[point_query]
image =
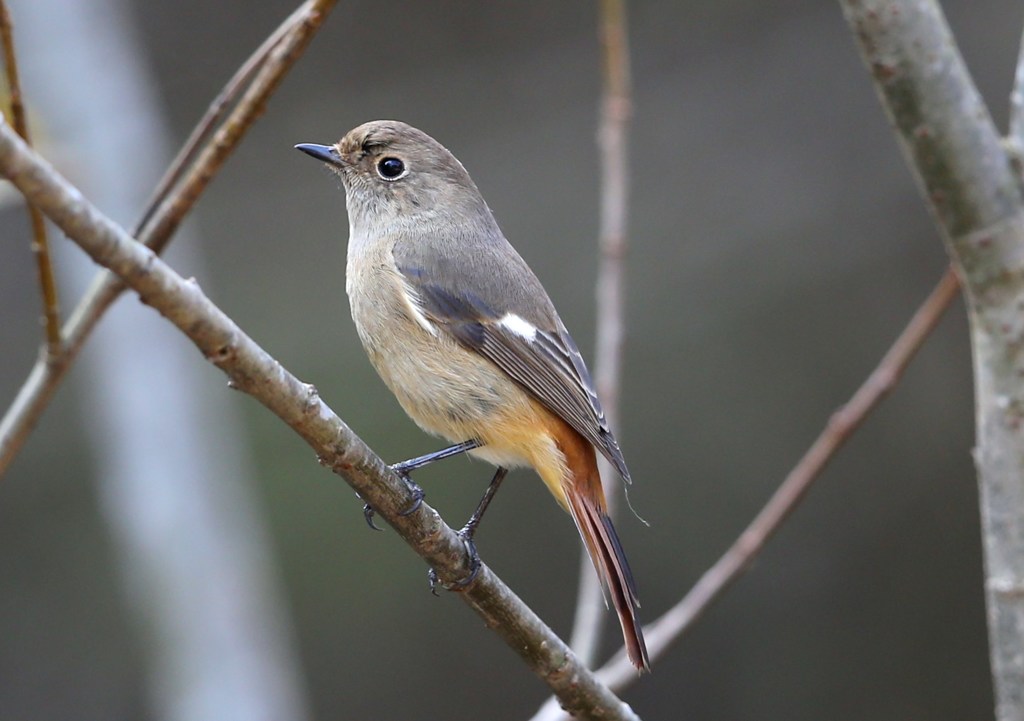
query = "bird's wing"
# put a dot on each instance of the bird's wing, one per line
(517, 329)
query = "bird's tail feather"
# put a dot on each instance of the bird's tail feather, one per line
(612, 568)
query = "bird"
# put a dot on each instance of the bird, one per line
(464, 335)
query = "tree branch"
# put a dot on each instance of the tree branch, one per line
(228, 94)
(612, 140)
(162, 218)
(40, 246)
(252, 370)
(671, 626)
(954, 150)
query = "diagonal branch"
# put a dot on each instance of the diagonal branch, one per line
(668, 629)
(163, 220)
(216, 110)
(840, 427)
(255, 372)
(40, 246)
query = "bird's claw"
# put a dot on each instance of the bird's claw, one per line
(414, 489)
(417, 496)
(418, 493)
(368, 514)
(466, 534)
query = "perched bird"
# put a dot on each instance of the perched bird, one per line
(464, 335)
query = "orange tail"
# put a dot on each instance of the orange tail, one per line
(585, 498)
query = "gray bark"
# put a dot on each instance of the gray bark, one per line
(960, 163)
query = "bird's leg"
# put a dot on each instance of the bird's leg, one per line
(467, 532)
(469, 529)
(404, 468)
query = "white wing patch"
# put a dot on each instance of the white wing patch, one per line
(520, 327)
(415, 308)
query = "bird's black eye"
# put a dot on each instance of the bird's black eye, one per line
(390, 168)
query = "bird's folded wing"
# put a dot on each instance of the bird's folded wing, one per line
(544, 361)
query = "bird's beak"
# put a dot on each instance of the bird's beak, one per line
(325, 153)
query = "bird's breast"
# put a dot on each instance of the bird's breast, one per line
(445, 388)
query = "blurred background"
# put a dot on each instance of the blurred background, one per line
(778, 245)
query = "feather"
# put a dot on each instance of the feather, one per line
(540, 356)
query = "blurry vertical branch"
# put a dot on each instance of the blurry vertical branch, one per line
(40, 246)
(193, 169)
(616, 108)
(955, 151)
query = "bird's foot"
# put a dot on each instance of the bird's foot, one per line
(414, 490)
(466, 534)
(417, 494)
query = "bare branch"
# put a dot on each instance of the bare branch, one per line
(40, 246)
(957, 156)
(161, 223)
(610, 291)
(844, 422)
(228, 94)
(255, 372)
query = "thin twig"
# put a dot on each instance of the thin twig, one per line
(228, 94)
(254, 371)
(43, 380)
(40, 246)
(837, 431)
(616, 107)
(618, 673)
